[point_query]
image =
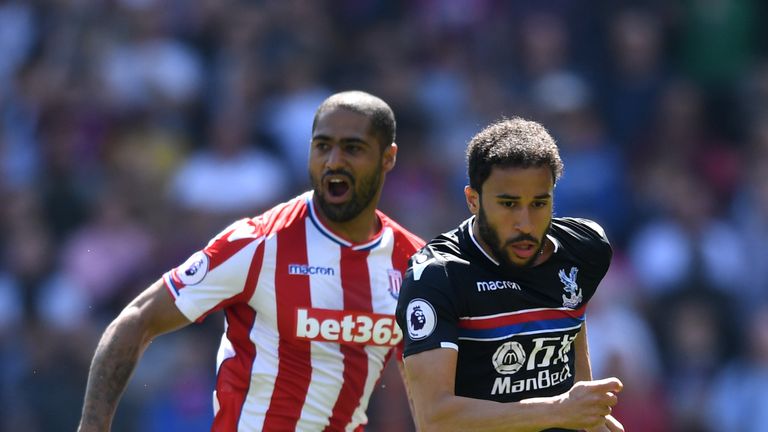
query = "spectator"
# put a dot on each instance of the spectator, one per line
(116, 96)
(231, 174)
(738, 398)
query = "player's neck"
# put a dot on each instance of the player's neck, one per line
(545, 252)
(360, 229)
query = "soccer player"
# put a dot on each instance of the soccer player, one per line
(308, 290)
(493, 312)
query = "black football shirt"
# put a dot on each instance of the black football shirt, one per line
(513, 328)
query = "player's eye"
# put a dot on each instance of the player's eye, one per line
(353, 148)
(321, 145)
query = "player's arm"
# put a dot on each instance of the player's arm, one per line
(401, 368)
(431, 379)
(150, 314)
(581, 348)
(584, 373)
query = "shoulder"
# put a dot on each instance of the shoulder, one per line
(433, 259)
(403, 237)
(285, 214)
(270, 222)
(427, 278)
(582, 236)
(585, 229)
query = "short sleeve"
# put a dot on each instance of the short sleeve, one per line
(217, 275)
(426, 309)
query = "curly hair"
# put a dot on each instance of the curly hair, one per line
(514, 142)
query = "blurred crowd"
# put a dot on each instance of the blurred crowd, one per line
(132, 131)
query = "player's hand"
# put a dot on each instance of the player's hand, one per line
(587, 405)
(610, 425)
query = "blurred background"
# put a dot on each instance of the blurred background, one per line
(132, 131)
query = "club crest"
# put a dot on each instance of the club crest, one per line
(395, 281)
(571, 288)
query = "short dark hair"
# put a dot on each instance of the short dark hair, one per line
(514, 142)
(380, 114)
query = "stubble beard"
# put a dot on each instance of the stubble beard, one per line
(491, 237)
(360, 199)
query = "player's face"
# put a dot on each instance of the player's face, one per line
(346, 164)
(514, 213)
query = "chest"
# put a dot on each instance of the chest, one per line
(328, 293)
(516, 330)
(560, 284)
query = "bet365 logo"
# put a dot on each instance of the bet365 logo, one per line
(355, 328)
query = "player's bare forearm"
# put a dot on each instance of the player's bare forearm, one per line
(401, 368)
(150, 314)
(431, 377)
(113, 363)
(581, 351)
(610, 425)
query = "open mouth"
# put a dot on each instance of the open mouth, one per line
(524, 249)
(338, 186)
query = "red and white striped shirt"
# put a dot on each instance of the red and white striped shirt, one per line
(309, 317)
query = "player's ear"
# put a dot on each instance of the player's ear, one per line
(389, 157)
(473, 199)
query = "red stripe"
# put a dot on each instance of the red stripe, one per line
(221, 249)
(284, 214)
(546, 314)
(234, 377)
(295, 369)
(356, 284)
(406, 244)
(249, 288)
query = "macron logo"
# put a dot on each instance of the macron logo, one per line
(497, 285)
(304, 270)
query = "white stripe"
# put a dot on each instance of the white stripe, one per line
(485, 317)
(171, 286)
(382, 302)
(555, 242)
(418, 268)
(316, 219)
(327, 360)
(226, 350)
(474, 240)
(264, 336)
(450, 345)
(521, 334)
(221, 283)
(331, 234)
(379, 261)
